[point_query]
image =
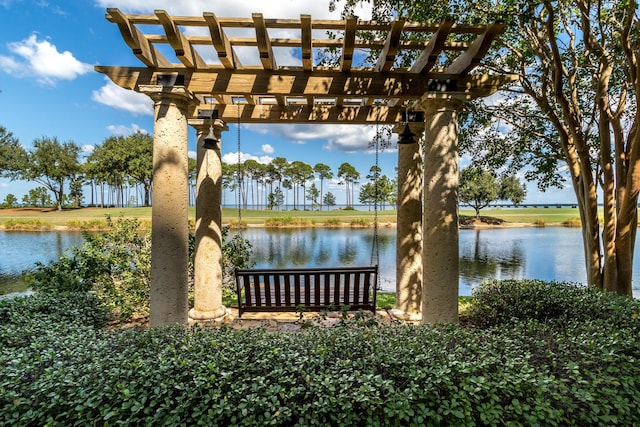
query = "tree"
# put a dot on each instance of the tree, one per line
(254, 171)
(349, 176)
(37, 197)
(479, 188)
(13, 157)
(9, 202)
(124, 160)
(324, 172)
(512, 189)
(139, 162)
(300, 173)
(379, 190)
(75, 196)
(275, 199)
(276, 173)
(312, 195)
(51, 163)
(107, 165)
(329, 199)
(575, 105)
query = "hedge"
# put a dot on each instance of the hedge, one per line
(59, 366)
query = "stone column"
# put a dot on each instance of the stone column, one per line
(409, 227)
(207, 295)
(440, 216)
(169, 216)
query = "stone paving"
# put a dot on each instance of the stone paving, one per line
(288, 322)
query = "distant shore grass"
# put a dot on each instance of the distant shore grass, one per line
(80, 218)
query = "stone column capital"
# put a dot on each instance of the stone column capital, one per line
(416, 128)
(432, 106)
(202, 126)
(176, 94)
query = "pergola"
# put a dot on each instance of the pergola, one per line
(193, 72)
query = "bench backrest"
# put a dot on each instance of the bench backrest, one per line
(313, 288)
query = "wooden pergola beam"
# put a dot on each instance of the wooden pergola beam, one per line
(329, 83)
(301, 114)
(264, 42)
(478, 49)
(342, 86)
(306, 42)
(349, 43)
(221, 43)
(429, 56)
(390, 49)
(183, 49)
(142, 49)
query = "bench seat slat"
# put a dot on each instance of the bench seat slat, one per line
(316, 289)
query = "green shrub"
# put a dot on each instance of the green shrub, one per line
(505, 301)
(88, 224)
(27, 225)
(236, 253)
(286, 221)
(333, 222)
(360, 223)
(115, 264)
(572, 222)
(58, 372)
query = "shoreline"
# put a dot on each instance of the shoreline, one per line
(93, 219)
(475, 226)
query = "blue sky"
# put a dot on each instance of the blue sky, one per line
(48, 87)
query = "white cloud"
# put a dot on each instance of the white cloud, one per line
(87, 149)
(41, 59)
(232, 158)
(346, 138)
(123, 99)
(267, 149)
(122, 130)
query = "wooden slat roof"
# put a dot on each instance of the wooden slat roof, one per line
(205, 50)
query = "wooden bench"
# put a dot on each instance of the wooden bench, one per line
(313, 289)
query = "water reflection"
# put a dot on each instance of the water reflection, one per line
(481, 258)
(21, 250)
(553, 253)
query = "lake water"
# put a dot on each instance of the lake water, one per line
(551, 253)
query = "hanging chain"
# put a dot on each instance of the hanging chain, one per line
(239, 173)
(375, 250)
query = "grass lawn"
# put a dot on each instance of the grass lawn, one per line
(68, 217)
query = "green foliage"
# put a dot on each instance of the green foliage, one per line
(26, 225)
(51, 164)
(121, 160)
(333, 222)
(115, 264)
(329, 199)
(286, 221)
(87, 224)
(236, 253)
(37, 197)
(59, 370)
(360, 223)
(479, 188)
(12, 156)
(9, 201)
(507, 301)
